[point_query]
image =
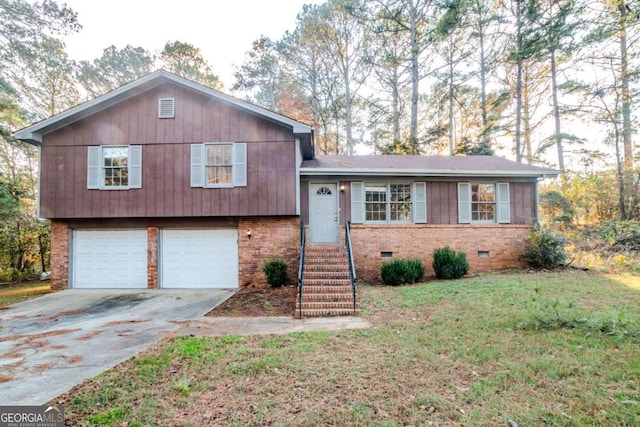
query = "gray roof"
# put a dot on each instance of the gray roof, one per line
(33, 134)
(435, 166)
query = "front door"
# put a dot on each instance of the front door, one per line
(324, 226)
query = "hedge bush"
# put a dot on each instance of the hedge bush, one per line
(401, 271)
(449, 264)
(545, 249)
(624, 235)
(275, 271)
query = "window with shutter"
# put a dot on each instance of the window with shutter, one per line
(216, 165)
(114, 167)
(480, 203)
(388, 202)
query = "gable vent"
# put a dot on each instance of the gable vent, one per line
(166, 107)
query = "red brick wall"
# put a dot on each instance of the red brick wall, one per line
(270, 237)
(505, 244)
(152, 257)
(59, 256)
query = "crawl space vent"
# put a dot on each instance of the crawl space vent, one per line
(166, 108)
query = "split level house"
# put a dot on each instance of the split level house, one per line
(165, 183)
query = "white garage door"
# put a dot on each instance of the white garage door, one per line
(109, 259)
(199, 258)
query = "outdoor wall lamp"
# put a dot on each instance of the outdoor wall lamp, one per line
(342, 188)
(248, 233)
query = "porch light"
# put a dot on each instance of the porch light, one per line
(248, 233)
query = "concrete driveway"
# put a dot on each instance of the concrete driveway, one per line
(51, 343)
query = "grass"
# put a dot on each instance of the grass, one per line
(11, 294)
(548, 349)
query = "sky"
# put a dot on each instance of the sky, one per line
(223, 30)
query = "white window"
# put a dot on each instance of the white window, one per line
(483, 203)
(219, 165)
(216, 165)
(114, 167)
(383, 202)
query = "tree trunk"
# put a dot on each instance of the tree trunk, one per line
(526, 118)
(483, 89)
(626, 96)
(620, 175)
(518, 82)
(415, 79)
(452, 142)
(556, 109)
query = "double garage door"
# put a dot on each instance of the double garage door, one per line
(187, 258)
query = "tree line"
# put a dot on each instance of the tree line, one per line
(38, 80)
(540, 81)
(551, 82)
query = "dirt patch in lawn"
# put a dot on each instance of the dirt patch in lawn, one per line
(252, 302)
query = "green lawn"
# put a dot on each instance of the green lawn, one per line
(11, 294)
(545, 349)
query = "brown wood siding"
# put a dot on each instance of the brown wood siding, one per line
(523, 202)
(166, 191)
(304, 202)
(442, 202)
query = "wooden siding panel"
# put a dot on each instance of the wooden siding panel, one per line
(442, 205)
(253, 179)
(272, 182)
(166, 190)
(522, 202)
(453, 203)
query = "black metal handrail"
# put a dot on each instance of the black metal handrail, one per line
(301, 267)
(352, 267)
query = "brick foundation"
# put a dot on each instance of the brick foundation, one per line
(270, 237)
(59, 256)
(504, 243)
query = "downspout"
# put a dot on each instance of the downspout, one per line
(39, 181)
(536, 197)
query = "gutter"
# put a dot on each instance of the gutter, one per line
(419, 172)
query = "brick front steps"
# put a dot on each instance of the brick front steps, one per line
(327, 286)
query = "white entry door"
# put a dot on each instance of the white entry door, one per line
(199, 258)
(324, 225)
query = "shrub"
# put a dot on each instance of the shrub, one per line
(545, 249)
(621, 234)
(415, 270)
(401, 271)
(275, 271)
(449, 264)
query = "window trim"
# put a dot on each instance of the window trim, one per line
(494, 203)
(205, 165)
(388, 202)
(198, 167)
(96, 168)
(502, 205)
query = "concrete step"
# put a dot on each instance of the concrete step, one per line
(326, 266)
(311, 289)
(327, 282)
(326, 312)
(317, 305)
(325, 275)
(326, 297)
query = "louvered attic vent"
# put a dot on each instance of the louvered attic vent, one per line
(166, 108)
